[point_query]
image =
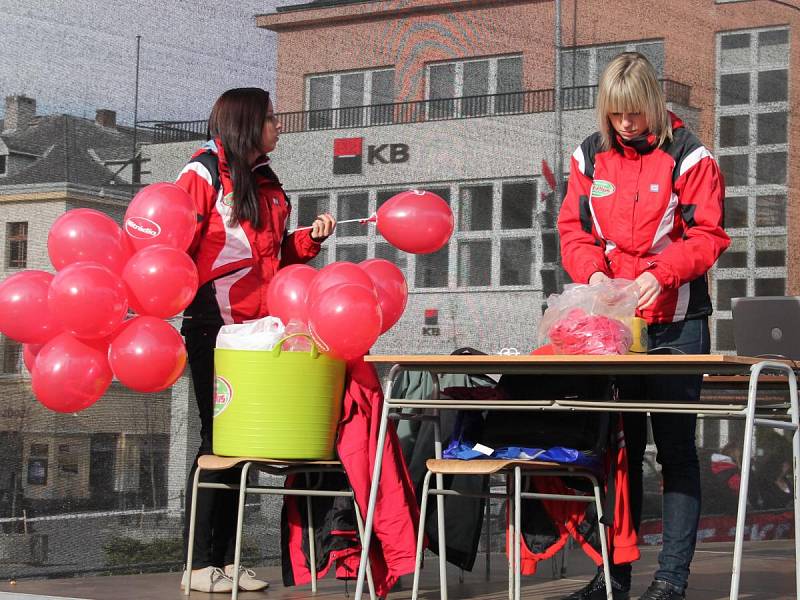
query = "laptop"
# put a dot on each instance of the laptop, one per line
(767, 326)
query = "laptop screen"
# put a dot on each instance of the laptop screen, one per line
(767, 326)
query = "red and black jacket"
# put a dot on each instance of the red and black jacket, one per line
(640, 207)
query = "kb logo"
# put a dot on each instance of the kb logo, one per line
(387, 153)
(348, 155)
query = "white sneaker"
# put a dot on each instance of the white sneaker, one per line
(210, 579)
(247, 579)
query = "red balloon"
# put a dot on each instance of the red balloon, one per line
(286, 296)
(161, 281)
(148, 355)
(416, 221)
(69, 374)
(161, 213)
(84, 234)
(24, 312)
(29, 352)
(88, 299)
(345, 321)
(391, 286)
(338, 273)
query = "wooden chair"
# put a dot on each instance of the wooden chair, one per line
(212, 462)
(513, 471)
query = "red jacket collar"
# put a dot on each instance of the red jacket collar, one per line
(644, 143)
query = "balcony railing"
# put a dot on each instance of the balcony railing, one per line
(418, 111)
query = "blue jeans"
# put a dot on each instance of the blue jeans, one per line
(674, 436)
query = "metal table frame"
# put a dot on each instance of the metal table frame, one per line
(773, 414)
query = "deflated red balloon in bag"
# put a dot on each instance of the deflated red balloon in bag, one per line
(84, 234)
(70, 374)
(416, 221)
(161, 213)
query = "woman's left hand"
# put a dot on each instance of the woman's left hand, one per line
(322, 227)
(649, 289)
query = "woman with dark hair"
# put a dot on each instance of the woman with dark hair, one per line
(644, 202)
(239, 244)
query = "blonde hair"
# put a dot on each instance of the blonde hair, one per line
(629, 84)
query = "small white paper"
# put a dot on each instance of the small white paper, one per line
(483, 449)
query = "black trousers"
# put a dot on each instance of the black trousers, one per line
(215, 525)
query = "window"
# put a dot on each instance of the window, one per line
(771, 128)
(772, 86)
(724, 331)
(734, 169)
(771, 211)
(308, 207)
(771, 251)
(431, 269)
(475, 208)
(770, 168)
(734, 89)
(12, 356)
(17, 245)
(354, 253)
(518, 205)
(583, 66)
(735, 212)
(352, 206)
(350, 99)
(516, 260)
(734, 130)
(474, 263)
(735, 257)
(3, 163)
(770, 287)
(727, 289)
(467, 87)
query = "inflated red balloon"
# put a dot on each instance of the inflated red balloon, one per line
(84, 234)
(416, 221)
(338, 273)
(29, 352)
(69, 374)
(286, 296)
(148, 355)
(345, 321)
(161, 213)
(161, 281)
(24, 312)
(391, 286)
(88, 299)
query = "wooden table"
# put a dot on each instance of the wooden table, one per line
(755, 411)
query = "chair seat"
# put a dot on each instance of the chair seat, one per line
(212, 462)
(456, 466)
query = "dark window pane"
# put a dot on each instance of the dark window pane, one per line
(476, 83)
(772, 128)
(3, 159)
(575, 68)
(383, 195)
(724, 337)
(12, 356)
(732, 41)
(773, 38)
(770, 287)
(352, 206)
(549, 285)
(17, 245)
(474, 263)
(509, 75)
(734, 131)
(382, 96)
(354, 253)
(392, 254)
(519, 201)
(605, 54)
(727, 289)
(772, 86)
(771, 251)
(771, 167)
(770, 211)
(773, 46)
(734, 168)
(475, 208)
(431, 270)
(442, 85)
(735, 211)
(516, 257)
(734, 89)
(308, 207)
(351, 94)
(320, 102)
(735, 257)
(549, 247)
(655, 54)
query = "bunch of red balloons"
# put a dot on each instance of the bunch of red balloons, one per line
(345, 306)
(74, 324)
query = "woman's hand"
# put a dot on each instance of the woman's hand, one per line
(322, 227)
(598, 277)
(649, 289)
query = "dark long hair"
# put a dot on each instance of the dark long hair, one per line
(238, 120)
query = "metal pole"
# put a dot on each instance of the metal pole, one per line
(135, 118)
(557, 92)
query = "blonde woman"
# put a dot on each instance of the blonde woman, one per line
(644, 202)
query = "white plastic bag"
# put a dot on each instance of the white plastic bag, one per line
(261, 334)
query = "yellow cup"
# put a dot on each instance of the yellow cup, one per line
(638, 327)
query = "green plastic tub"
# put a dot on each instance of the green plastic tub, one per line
(277, 404)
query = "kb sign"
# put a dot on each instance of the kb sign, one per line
(348, 155)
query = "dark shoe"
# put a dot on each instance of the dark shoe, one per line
(663, 590)
(596, 590)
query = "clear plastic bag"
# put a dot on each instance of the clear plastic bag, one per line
(590, 319)
(301, 343)
(261, 334)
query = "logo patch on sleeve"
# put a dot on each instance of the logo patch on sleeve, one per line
(601, 188)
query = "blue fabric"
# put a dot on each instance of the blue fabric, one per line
(568, 456)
